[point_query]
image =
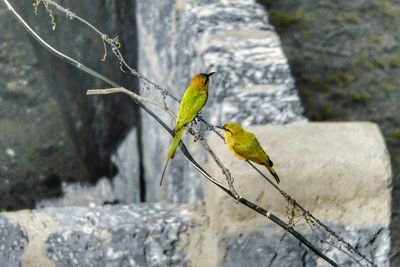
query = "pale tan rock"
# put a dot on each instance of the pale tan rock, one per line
(38, 227)
(339, 171)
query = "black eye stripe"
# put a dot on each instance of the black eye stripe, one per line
(206, 80)
(228, 131)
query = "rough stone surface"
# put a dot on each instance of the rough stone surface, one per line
(252, 250)
(51, 132)
(319, 167)
(253, 84)
(315, 161)
(12, 243)
(34, 140)
(123, 188)
(143, 235)
(222, 233)
(266, 246)
(84, 195)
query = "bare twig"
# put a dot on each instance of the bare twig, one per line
(233, 194)
(133, 96)
(118, 54)
(307, 213)
(224, 170)
(115, 48)
(182, 146)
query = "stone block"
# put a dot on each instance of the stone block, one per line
(340, 172)
(142, 235)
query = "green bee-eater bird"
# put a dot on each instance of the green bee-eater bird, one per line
(192, 102)
(244, 145)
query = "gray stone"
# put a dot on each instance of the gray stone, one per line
(267, 246)
(142, 235)
(253, 83)
(126, 183)
(315, 161)
(30, 120)
(84, 195)
(12, 243)
(123, 188)
(54, 129)
(340, 172)
(222, 233)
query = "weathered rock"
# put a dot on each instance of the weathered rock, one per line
(339, 171)
(318, 166)
(12, 243)
(268, 246)
(144, 235)
(253, 84)
(315, 161)
(30, 121)
(54, 129)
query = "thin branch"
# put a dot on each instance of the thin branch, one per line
(184, 150)
(307, 213)
(115, 49)
(257, 208)
(234, 195)
(133, 96)
(224, 170)
(97, 75)
(310, 215)
(209, 126)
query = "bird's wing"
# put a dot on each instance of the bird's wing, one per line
(247, 146)
(192, 102)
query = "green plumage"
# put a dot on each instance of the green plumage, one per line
(249, 148)
(192, 102)
(244, 145)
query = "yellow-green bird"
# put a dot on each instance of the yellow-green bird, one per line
(192, 102)
(244, 145)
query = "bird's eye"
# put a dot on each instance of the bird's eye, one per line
(206, 82)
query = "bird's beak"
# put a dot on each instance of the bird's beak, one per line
(211, 73)
(221, 127)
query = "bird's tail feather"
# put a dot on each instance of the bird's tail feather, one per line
(273, 173)
(163, 173)
(172, 150)
(175, 143)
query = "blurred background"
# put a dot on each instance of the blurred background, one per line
(59, 147)
(344, 56)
